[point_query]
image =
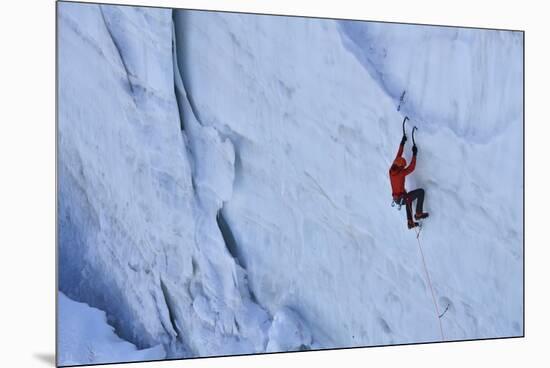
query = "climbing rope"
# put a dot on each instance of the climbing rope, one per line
(431, 287)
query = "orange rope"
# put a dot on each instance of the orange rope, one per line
(431, 288)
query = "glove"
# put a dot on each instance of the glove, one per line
(403, 140)
(415, 150)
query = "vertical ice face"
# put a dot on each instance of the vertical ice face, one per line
(126, 220)
(310, 107)
(139, 199)
(464, 89)
(468, 80)
(223, 180)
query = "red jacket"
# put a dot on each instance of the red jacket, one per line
(397, 175)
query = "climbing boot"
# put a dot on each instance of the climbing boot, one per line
(421, 215)
(411, 224)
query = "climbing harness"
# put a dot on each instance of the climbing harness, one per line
(400, 202)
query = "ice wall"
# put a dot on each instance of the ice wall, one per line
(138, 230)
(311, 108)
(123, 227)
(223, 181)
(468, 80)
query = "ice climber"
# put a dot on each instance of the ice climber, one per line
(398, 171)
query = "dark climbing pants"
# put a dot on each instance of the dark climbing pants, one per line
(418, 195)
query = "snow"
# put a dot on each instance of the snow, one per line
(288, 332)
(85, 337)
(265, 224)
